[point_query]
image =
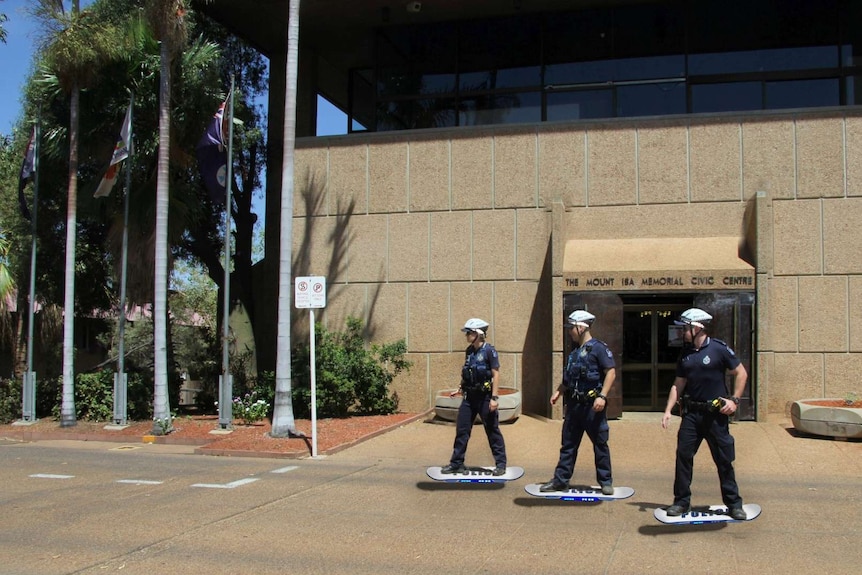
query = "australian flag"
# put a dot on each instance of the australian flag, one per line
(28, 171)
(212, 157)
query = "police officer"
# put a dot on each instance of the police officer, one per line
(480, 380)
(590, 373)
(699, 387)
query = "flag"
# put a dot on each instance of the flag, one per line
(212, 157)
(28, 171)
(121, 152)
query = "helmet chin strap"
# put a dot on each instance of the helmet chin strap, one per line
(694, 335)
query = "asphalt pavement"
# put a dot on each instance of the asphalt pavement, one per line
(89, 507)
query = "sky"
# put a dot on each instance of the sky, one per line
(16, 57)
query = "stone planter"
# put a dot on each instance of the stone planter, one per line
(830, 417)
(509, 404)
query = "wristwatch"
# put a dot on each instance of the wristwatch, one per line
(602, 396)
(494, 398)
(735, 400)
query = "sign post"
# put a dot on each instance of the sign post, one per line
(310, 293)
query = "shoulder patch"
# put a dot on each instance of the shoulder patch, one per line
(608, 351)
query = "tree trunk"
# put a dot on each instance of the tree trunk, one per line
(283, 423)
(161, 400)
(68, 416)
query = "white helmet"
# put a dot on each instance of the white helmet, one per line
(581, 317)
(480, 326)
(694, 316)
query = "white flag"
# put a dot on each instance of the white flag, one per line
(121, 152)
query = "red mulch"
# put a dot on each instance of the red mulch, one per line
(834, 403)
(332, 434)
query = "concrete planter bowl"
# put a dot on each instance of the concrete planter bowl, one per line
(829, 417)
(446, 407)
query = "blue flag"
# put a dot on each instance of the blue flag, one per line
(212, 157)
(28, 170)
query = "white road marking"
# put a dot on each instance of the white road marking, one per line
(51, 476)
(230, 485)
(139, 482)
(285, 469)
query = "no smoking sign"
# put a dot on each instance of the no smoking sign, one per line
(310, 292)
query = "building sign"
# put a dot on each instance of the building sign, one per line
(659, 281)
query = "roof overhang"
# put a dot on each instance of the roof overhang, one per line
(656, 264)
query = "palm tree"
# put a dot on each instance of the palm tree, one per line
(73, 49)
(167, 20)
(283, 423)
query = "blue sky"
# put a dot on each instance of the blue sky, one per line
(16, 56)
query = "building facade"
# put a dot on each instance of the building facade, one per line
(518, 160)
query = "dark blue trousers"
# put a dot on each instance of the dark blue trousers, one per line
(581, 418)
(715, 429)
(467, 412)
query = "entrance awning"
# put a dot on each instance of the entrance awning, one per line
(656, 264)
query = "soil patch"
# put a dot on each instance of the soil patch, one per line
(833, 403)
(333, 434)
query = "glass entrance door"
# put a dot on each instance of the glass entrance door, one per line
(651, 345)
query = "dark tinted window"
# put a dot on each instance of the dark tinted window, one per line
(619, 59)
(720, 26)
(417, 60)
(802, 93)
(651, 99)
(579, 105)
(727, 97)
(578, 37)
(499, 54)
(501, 109)
(773, 60)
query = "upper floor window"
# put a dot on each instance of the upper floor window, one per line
(663, 58)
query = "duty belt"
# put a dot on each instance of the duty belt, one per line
(711, 406)
(584, 397)
(477, 389)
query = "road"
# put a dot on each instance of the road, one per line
(87, 507)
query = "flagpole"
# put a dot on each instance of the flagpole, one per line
(28, 411)
(226, 387)
(121, 382)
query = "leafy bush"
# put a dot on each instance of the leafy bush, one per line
(350, 377)
(94, 396)
(10, 400)
(11, 397)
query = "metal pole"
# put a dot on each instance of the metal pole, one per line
(226, 381)
(120, 378)
(28, 403)
(313, 384)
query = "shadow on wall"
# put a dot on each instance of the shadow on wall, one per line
(337, 242)
(538, 353)
(748, 242)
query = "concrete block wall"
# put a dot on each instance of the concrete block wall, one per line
(416, 232)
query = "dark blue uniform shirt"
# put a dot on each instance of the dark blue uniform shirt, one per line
(704, 369)
(586, 367)
(478, 364)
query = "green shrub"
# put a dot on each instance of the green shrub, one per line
(10, 400)
(351, 379)
(94, 396)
